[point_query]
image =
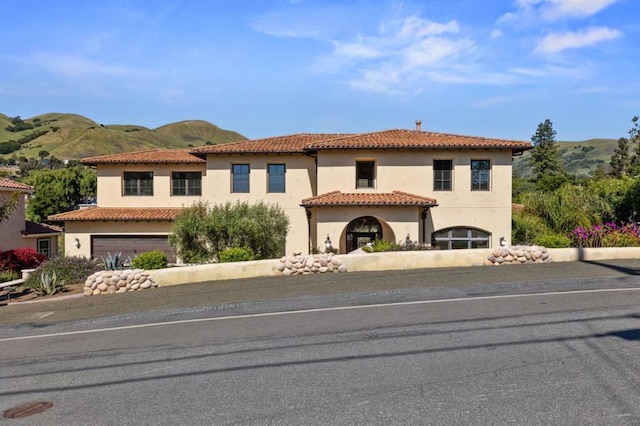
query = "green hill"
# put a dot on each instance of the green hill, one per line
(579, 158)
(71, 136)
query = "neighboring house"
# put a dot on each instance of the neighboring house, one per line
(447, 190)
(16, 232)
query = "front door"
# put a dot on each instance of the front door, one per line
(362, 231)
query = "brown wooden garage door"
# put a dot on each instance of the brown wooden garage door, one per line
(129, 245)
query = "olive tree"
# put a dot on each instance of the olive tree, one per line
(201, 232)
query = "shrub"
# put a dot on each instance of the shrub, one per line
(607, 235)
(114, 262)
(155, 259)
(6, 276)
(553, 241)
(46, 284)
(380, 246)
(21, 258)
(69, 269)
(236, 254)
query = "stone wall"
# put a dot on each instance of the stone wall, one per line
(109, 282)
(518, 254)
(312, 264)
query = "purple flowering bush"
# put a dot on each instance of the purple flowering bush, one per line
(607, 235)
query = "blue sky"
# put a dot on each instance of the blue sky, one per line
(263, 68)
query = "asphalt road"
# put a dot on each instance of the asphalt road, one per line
(488, 345)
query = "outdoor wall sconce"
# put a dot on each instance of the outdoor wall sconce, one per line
(76, 242)
(327, 243)
(407, 240)
(503, 242)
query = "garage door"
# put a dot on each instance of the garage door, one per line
(130, 246)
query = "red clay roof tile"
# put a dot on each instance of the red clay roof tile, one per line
(395, 198)
(118, 214)
(414, 139)
(157, 156)
(277, 144)
(12, 184)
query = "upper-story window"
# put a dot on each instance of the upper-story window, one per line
(186, 183)
(365, 174)
(442, 175)
(138, 183)
(480, 171)
(240, 178)
(277, 173)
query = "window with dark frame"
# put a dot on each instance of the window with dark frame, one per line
(442, 175)
(138, 183)
(277, 174)
(240, 178)
(44, 246)
(480, 170)
(186, 183)
(461, 238)
(365, 174)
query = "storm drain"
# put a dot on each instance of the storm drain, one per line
(28, 409)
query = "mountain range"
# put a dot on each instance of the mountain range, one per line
(72, 136)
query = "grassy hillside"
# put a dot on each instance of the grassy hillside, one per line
(71, 136)
(579, 158)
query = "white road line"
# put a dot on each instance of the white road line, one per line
(306, 311)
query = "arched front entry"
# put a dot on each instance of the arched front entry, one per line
(361, 231)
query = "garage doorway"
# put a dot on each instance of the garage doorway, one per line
(130, 245)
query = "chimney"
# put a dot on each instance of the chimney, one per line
(418, 124)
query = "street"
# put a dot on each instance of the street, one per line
(551, 357)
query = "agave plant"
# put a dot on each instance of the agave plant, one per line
(48, 283)
(114, 262)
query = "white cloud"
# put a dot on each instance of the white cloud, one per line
(495, 34)
(556, 9)
(74, 66)
(498, 100)
(529, 11)
(557, 42)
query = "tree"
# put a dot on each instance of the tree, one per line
(201, 232)
(620, 159)
(634, 143)
(58, 191)
(545, 161)
(43, 154)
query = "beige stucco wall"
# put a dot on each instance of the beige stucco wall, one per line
(412, 171)
(10, 229)
(110, 189)
(84, 230)
(300, 181)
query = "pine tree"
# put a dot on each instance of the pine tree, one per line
(545, 161)
(620, 159)
(634, 143)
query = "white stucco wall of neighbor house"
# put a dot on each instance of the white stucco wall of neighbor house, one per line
(10, 229)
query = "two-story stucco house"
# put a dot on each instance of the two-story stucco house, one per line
(448, 190)
(16, 232)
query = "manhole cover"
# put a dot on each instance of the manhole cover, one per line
(28, 409)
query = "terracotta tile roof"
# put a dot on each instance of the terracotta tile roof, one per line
(13, 185)
(33, 228)
(414, 139)
(120, 214)
(395, 198)
(156, 156)
(277, 144)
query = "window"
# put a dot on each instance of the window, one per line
(442, 175)
(461, 238)
(240, 178)
(138, 183)
(186, 183)
(365, 174)
(276, 177)
(480, 175)
(44, 246)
